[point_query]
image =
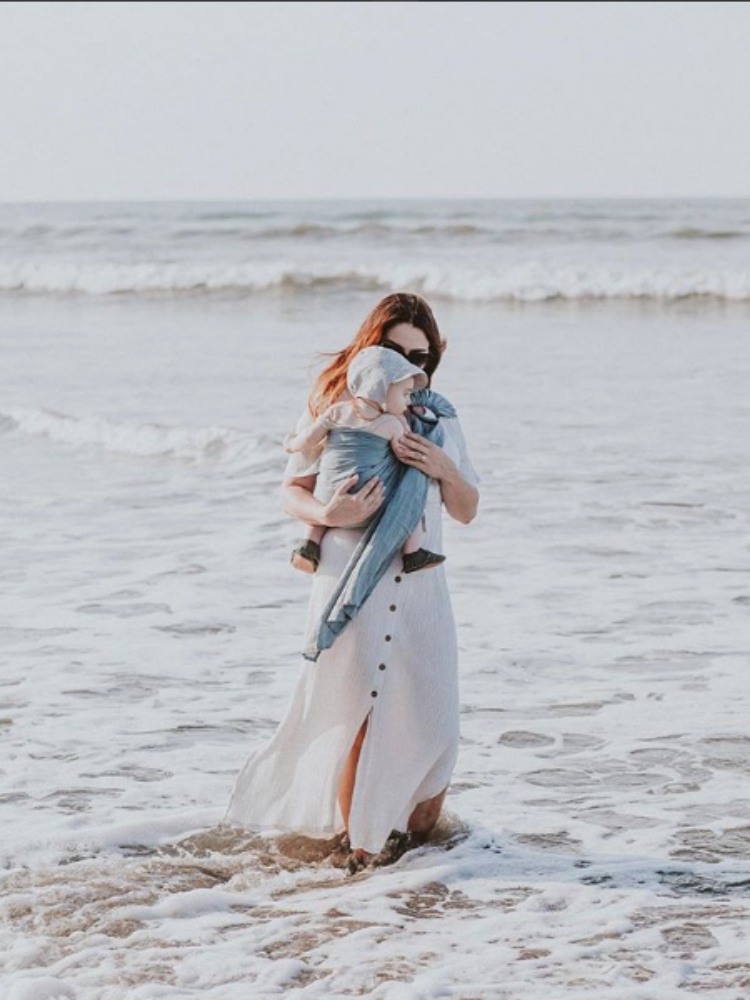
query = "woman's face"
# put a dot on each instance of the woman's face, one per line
(409, 338)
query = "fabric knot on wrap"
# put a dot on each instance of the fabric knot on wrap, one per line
(404, 498)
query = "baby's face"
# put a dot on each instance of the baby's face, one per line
(398, 396)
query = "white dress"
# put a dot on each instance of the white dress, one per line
(396, 663)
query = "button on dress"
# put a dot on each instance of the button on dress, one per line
(396, 665)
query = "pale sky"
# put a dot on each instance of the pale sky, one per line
(373, 100)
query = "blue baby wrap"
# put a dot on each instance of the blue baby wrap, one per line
(350, 450)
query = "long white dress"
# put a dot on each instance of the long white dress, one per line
(396, 664)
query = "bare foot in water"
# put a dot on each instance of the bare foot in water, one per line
(398, 843)
(342, 854)
(357, 860)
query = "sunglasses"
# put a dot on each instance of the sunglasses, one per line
(418, 358)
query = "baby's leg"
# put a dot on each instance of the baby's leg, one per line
(414, 541)
(315, 532)
(306, 556)
(415, 557)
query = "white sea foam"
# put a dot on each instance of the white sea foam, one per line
(523, 281)
(217, 444)
(464, 251)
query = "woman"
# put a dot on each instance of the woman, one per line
(369, 741)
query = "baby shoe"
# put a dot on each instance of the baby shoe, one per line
(421, 559)
(306, 556)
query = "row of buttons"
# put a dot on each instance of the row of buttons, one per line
(381, 666)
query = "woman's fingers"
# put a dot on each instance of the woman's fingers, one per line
(412, 451)
(373, 492)
(344, 487)
(413, 443)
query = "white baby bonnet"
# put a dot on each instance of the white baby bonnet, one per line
(373, 370)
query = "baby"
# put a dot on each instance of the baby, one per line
(380, 381)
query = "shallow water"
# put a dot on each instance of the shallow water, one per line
(597, 831)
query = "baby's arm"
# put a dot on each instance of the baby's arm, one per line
(306, 439)
(318, 429)
(396, 427)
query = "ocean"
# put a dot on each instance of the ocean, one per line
(595, 838)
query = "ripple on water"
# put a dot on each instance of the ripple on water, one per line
(123, 610)
(134, 771)
(575, 708)
(559, 840)
(525, 738)
(10, 636)
(725, 753)
(700, 844)
(561, 777)
(196, 628)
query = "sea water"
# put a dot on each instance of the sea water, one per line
(595, 837)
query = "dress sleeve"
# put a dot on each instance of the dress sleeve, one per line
(304, 463)
(328, 420)
(462, 459)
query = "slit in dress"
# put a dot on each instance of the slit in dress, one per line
(346, 757)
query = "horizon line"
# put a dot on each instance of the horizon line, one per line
(378, 198)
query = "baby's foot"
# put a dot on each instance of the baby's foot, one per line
(306, 556)
(421, 559)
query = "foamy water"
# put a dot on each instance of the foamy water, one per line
(464, 250)
(596, 834)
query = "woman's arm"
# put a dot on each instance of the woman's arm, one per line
(298, 501)
(461, 499)
(342, 510)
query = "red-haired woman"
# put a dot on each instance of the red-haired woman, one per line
(369, 741)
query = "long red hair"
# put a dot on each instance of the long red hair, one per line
(399, 307)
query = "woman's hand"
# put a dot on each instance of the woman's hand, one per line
(345, 509)
(413, 449)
